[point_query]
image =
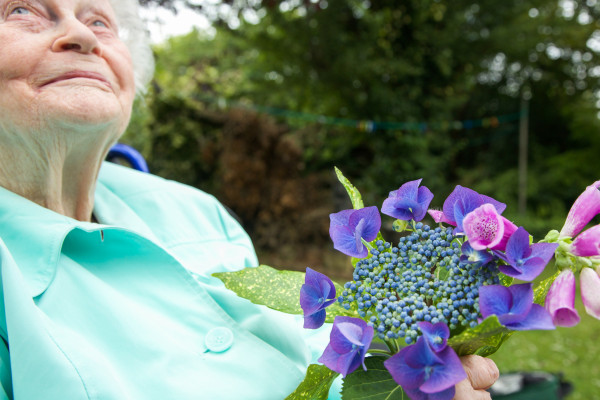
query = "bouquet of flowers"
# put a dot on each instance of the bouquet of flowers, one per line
(436, 293)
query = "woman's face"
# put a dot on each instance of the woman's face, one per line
(62, 62)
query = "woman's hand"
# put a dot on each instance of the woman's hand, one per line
(481, 374)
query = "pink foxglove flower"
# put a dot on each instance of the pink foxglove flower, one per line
(590, 291)
(560, 301)
(439, 216)
(587, 244)
(461, 202)
(486, 229)
(583, 210)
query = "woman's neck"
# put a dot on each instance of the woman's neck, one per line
(57, 171)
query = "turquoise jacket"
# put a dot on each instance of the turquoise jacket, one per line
(127, 309)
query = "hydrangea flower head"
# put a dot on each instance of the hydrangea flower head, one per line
(514, 307)
(461, 202)
(349, 341)
(560, 301)
(526, 261)
(424, 373)
(349, 227)
(317, 293)
(408, 202)
(583, 210)
(590, 291)
(485, 228)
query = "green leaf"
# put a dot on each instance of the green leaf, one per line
(276, 289)
(484, 339)
(315, 385)
(441, 273)
(353, 192)
(541, 289)
(375, 383)
(505, 279)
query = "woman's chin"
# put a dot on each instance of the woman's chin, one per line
(86, 105)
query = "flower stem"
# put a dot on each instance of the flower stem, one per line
(381, 351)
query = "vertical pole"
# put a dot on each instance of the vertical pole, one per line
(523, 143)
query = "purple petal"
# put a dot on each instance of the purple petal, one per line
(522, 298)
(517, 247)
(545, 251)
(467, 201)
(344, 241)
(402, 373)
(537, 318)
(350, 332)
(340, 363)
(439, 216)
(447, 394)
(583, 210)
(436, 335)
(446, 375)
(349, 339)
(425, 196)
(509, 270)
(531, 269)
(348, 363)
(472, 256)
(494, 300)
(587, 244)
(321, 281)
(399, 208)
(371, 224)
(340, 218)
(560, 301)
(408, 202)
(310, 299)
(350, 335)
(409, 189)
(590, 291)
(316, 293)
(416, 394)
(315, 320)
(458, 195)
(500, 207)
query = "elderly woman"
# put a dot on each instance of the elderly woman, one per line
(106, 273)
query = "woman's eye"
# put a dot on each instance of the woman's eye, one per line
(20, 10)
(99, 23)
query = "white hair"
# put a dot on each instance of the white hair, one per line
(133, 32)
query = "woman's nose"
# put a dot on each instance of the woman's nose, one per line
(76, 36)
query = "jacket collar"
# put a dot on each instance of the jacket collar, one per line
(35, 235)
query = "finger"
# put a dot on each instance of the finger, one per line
(464, 391)
(482, 372)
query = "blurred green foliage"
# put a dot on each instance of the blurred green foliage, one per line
(386, 60)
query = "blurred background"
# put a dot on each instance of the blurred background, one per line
(261, 100)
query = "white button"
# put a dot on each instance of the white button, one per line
(219, 339)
